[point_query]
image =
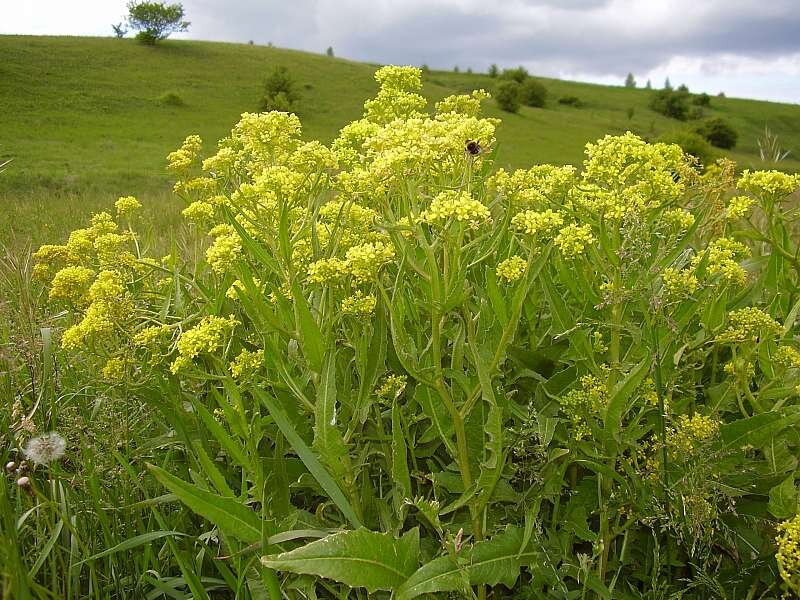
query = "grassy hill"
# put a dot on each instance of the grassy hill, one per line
(83, 122)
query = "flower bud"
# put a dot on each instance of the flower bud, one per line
(11, 466)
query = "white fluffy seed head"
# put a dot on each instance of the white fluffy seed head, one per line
(45, 448)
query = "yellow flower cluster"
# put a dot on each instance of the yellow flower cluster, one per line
(788, 555)
(678, 219)
(787, 357)
(359, 304)
(126, 206)
(544, 224)
(199, 212)
(770, 184)
(364, 261)
(326, 270)
(573, 239)
(533, 188)
(110, 305)
(246, 363)
(396, 98)
(463, 104)
(71, 284)
(690, 434)
(184, 157)
(738, 207)
(393, 385)
(207, 336)
(723, 255)
(459, 206)
(748, 325)
(679, 283)
(116, 368)
(511, 269)
(645, 172)
(225, 250)
(151, 336)
(581, 404)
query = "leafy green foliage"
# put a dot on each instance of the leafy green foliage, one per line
(671, 103)
(691, 143)
(719, 133)
(533, 93)
(280, 91)
(508, 96)
(155, 20)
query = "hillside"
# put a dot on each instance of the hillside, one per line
(82, 116)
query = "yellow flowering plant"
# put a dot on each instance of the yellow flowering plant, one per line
(470, 378)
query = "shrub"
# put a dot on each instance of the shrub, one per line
(570, 101)
(691, 143)
(671, 103)
(479, 383)
(702, 100)
(508, 96)
(696, 113)
(719, 132)
(329, 51)
(155, 20)
(533, 93)
(520, 74)
(493, 71)
(279, 91)
(171, 99)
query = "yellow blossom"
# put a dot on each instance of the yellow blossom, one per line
(511, 269)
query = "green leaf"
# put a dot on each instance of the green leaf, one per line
(488, 563)
(758, 430)
(134, 542)
(307, 456)
(619, 401)
(783, 499)
(358, 558)
(400, 472)
(232, 517)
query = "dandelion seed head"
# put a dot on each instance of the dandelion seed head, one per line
(45, 448)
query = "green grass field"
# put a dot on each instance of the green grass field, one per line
(83, 122)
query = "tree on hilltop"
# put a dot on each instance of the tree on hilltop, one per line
(630, 82)
(155, 20)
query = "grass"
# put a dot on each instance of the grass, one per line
(86, 121)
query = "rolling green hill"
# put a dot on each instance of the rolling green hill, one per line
(82, 119)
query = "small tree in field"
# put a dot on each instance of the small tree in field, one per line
(119, 30)
(155, 20)
(630, 82)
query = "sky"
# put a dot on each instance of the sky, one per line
(745, 48)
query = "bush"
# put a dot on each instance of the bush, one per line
(279, 91)
(463, 378)
(702, 100)
(508, 96)
(155, 20)
(570, 101)
(533, 93)
(691, 143)
(719, 132)
(519, 74)
(696, 113)
(493, 71)
(671, 103)
(171, 99)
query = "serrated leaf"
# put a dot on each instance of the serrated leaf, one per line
(232, 517)
(328, 441)
(357, 558)
(488, 563)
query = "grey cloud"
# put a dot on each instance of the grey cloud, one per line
(599, 38)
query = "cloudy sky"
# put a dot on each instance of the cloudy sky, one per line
(746, 48)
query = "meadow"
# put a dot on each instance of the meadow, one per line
(403, 350)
